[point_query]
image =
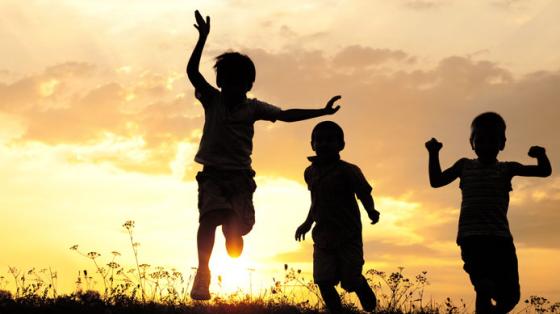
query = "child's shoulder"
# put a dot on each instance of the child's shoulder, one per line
(464, 162)
(349, 166)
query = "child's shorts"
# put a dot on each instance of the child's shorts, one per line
(342, 263)
(491, 263)
(228, 190)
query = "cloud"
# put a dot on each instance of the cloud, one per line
(138, 119)
(508, 4)
(359, 56)
(82, 105)
(424, 4)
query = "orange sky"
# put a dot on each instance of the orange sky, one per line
(98, 125)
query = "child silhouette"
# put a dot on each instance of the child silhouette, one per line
(226, 182)
(337, 250)
(486, 242)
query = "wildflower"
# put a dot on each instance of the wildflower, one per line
(74, 247)
(93, 255)
(115, 253)
(113, 265)
(129, 224)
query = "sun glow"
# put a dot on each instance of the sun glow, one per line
(231, 274)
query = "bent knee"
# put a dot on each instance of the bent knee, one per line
(353, 283)
(326, 284)
(506, 303)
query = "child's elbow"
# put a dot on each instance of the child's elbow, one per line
(435, 184)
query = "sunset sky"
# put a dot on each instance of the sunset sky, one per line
(99, 125)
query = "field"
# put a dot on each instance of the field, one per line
(112, 288)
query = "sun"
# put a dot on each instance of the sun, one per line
(231, 275)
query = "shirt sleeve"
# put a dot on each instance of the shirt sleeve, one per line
(265, 111)
(206, 94)
(358, 181)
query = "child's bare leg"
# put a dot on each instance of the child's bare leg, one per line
(206, 235)
(331, 298)
(506, 302)
(205, 241)
(233, 234)
(484, 303)
(366, 295)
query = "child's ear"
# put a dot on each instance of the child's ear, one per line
(249, 86)
(313, 145)
(471, 142)
(503, 144)
(219, 80)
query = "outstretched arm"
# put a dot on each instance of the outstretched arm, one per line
(542, 169)
(440, 178)
(292, 115)
(193, 72)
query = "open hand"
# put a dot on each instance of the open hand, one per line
(202, 25)
(302, 230)
(433, 145)
(329, 109)
(536, 151)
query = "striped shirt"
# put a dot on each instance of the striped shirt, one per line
(485, 190)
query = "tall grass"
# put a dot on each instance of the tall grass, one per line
(142, 288)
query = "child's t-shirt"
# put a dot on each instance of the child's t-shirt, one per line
(485, 199)
(227, 136)
(334, 208)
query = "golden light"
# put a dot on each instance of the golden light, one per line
(48, 88)
(231, 275)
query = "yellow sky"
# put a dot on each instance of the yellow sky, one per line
(98, 125)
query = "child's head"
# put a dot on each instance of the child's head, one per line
(235, 73)
(327, 138)
(488, 135)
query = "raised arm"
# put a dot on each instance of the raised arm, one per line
(193, 71)
(440, 178)
(292, 115)
(541, 169)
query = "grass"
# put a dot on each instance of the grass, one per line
(114, 289)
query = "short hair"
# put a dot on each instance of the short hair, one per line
(489, 121)
(234, 65)
(328, 126)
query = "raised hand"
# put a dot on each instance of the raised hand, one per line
(536, 151)
(302, 230)
(329, 109)
(433, 145)
(203, 26)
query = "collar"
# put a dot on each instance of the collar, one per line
(324, 160)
